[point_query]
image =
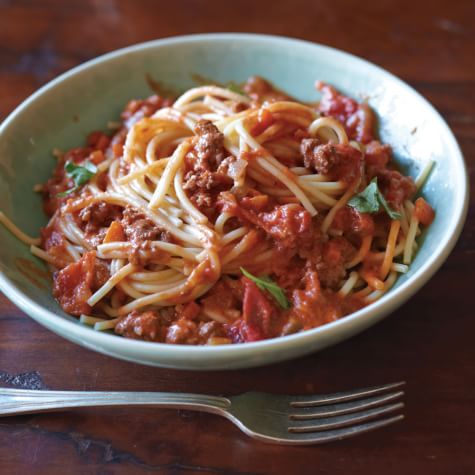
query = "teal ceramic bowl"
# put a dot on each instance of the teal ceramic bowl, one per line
(61, 113)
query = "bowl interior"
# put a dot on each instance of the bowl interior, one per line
(62, 113)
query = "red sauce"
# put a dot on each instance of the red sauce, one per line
(53, 241)
(358, 119)
(73, 285)
(309, 266)
(395, 187)
(353, 223)
(257, 313)
(264, 120)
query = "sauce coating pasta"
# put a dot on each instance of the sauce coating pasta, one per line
(228, 216)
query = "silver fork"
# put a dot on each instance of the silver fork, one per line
(293, 420)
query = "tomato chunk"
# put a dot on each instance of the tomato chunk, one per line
(424, 212)
(73, 285)
(257, 313)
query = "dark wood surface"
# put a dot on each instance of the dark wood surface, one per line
(429, 342)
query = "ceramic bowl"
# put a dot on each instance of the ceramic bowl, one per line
(61, 114)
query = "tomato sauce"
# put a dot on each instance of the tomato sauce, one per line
(308, 266)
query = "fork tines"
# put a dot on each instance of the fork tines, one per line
(341, 415)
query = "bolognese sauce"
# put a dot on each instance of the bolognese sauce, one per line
(228, 216)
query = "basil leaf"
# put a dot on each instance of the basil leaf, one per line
(370, 201)
(67, 192)
(392, 214)
(80, 175)
(267, 284)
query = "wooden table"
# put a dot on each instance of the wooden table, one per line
(429, 342)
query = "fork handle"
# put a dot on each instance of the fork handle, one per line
(24, 401)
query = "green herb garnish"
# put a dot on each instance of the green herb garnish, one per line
(392, 214)
(233, 87)
(80, 175)
(370, 201)
(267, 284)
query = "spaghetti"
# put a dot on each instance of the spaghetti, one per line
(227, 216)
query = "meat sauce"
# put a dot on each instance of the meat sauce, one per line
(357, 118)
(73, 285)
(336, 161)
(206, 168)
(309, 267)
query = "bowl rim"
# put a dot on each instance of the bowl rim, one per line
(100, 341)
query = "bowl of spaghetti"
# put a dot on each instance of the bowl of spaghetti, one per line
(223, 201)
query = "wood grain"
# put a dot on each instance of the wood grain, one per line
(428, 342)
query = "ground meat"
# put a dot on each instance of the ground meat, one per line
(99, 215)
(142, 252)
(313, 156)
(183, 331)
(395, 187)
(98, 140)
(138, 228)
(235, 168)
(328, 257)
(358, 119)
(203, 200)
(353, 223)
(261, 90)
(170, 325)
(54, 243)
(188, 310)
(72, 286)
(203, 188)
(51, 237)
(331, 266)
(141, 326)
(206, 172)
(289, 270)
(337, 161)
(94, 239)
(101, 273)
(137, 109)
(377, 156)
(206, 180)
(288, 224)
(209, 149)
(207, 330)
(309, 304)
(224, 299)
